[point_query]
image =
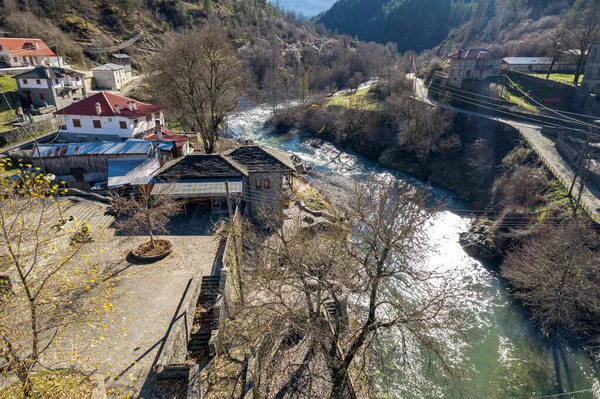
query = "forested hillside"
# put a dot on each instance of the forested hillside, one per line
(423, 24)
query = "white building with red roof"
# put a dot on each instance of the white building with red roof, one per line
(21, 52)
(109, 117)
(473, 63)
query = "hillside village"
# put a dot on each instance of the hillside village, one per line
(235, 202)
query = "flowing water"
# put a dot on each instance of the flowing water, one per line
(507, 357)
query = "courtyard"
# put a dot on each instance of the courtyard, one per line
(146, 302)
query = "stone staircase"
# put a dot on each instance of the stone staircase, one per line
(206, 317)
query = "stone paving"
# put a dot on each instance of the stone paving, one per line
(125, 345)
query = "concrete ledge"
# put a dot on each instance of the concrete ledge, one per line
(175, 348)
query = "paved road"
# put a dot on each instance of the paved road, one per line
(543, 146)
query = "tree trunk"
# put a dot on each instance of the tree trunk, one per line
(551, 67)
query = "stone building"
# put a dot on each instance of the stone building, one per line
(48, 85)
(111, 76)
(473, 64)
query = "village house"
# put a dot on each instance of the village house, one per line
(82, 165)
(121, 59)
(266, 171)
(109, 117)
(49, 85)
(181, 142)
(111, 76)
(254, 175)
(473, 64)
(201, 179)
(20, 52)
(528, 64)
(591, 79)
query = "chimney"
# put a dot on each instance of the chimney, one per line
(158, 130)
(130, 105)
(117, 109)
(98, 109)
(134, 105)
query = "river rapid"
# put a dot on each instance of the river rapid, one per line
(507, 356)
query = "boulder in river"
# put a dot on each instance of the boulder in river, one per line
(478, 243)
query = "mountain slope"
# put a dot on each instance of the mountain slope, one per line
(412, 24)
(423, 24)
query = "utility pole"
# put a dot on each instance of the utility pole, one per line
(233, 223)
(37, 147)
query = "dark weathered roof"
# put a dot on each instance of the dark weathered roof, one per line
(47, 72)
(262, 159)
(199, 167)
(473, 54)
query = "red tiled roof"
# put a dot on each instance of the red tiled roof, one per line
(25, 47)
(167, 135)
(473, 54)
(107, 103)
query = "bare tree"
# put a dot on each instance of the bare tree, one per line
(308, 279)
(53, 283)
(555, 274)
(355, 81)
(422, 129)
(583, 25)
(146, 214)
(199, 78)
(557, 38)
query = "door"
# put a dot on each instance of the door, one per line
(28, 96)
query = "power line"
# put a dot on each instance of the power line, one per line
(563, 394)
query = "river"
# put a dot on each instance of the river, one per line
(507, 356)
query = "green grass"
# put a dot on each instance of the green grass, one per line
(7, 83)
(9, 87)
(362, 98)
(560, 77)
(521, 101)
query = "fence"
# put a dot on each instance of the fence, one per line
(562, 179)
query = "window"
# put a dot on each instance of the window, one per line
(15, 59)
(56, 81)
(76, 123)
(136, 123)
(123, 124)
(148, 118)
(97, 124)
(42, 97)
(258, 184)
(109, 120)
(468, 63)
(38, 81)
(267, 184)
(468, 73)
(82, 139)
(24, 81)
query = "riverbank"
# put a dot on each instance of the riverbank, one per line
(515, 199)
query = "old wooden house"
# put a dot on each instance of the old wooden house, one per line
(81, 165)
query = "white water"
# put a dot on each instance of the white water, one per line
(507, 357)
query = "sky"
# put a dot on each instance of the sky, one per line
(309, 8)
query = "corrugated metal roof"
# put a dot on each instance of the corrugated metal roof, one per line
(199, 188)
(162, 145)
(528, 60)
(104, 147)
(135, 171)
(108, 67)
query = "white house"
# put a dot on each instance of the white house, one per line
(44, 85)
(111, 76)
(473, 63)
(19, 52)
(109, 117)
(591, 77)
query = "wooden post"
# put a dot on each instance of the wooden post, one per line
(233, 223)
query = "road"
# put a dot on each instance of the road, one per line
(543, 146)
